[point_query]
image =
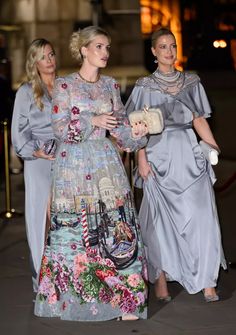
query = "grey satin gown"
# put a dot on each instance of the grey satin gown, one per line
(178, 215)
(31, 129)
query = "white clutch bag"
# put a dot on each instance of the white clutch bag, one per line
(152, 117)
(209, 152)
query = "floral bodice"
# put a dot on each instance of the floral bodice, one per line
(75, 102)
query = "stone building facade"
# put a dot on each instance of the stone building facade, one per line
(21, 21)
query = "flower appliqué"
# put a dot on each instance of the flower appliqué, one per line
(75, 110)
(64, 85)
(55, 109)
(74, 134)
(73, 246)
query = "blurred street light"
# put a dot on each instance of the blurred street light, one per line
(219, 44)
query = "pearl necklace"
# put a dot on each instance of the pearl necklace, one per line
(89, 81)
(169, 82)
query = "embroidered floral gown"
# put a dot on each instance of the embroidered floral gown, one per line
(93, 266)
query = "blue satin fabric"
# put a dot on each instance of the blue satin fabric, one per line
(178, 214)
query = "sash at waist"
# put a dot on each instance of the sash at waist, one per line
(178, 127)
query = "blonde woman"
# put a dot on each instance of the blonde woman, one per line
(180, 225)
(93, 269)
(33, 141)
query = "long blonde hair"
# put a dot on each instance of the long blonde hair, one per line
(82, 38)
(34, 54)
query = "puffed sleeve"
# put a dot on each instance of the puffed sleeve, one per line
(201, 106)
(70, 122)
(194, 97)
(137, 100)
(123, 132)
(21, 134)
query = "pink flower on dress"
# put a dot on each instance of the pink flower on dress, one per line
(128, 305)
(64, 85)
(94, 309)
(116, 85)
(115, 301)
(46, 287)
(55, 109)
(48, 272)
(88, 177)
(74, 132)
(134, 280)
(63, 154)
(75, 110)
(105, 295)
(140, 298)
(44, 260)
(112, 281)
(73, 246)
(80, 262)
(52, 299)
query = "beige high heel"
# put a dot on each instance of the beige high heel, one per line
(210, 297)
(161, 286)
(128, 317)
(164, 299)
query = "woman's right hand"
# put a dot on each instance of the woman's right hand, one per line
(144, 167)
(106, 121)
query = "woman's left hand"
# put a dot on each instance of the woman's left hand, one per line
(41, 154)
(139, 129)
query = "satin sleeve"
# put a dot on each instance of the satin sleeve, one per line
(137, 99)
(122, 133)
(70, 122)
(21, 134)
(201, 106)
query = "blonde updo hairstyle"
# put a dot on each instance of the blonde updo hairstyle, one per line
(35, 54)
(82, 38)
(161, 32)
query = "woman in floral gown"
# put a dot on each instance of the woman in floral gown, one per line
(93, 266)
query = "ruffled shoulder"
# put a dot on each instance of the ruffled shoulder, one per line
(190, 79)
(146, 82)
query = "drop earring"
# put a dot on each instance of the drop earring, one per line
(156, 61)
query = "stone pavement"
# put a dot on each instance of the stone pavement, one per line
(184, 315)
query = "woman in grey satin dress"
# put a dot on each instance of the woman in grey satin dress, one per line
(32, 139)
(178, 215)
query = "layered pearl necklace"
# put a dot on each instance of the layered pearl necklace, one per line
(169, 82)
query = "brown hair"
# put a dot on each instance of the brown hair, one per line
(160, 32)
